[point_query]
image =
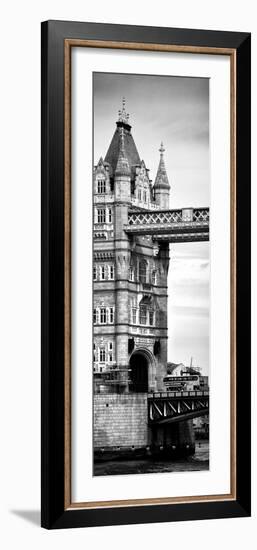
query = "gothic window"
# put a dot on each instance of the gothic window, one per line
(111, 272)
(102, 315)
(94, 353)
(102, 272)
(142, 271)
(158, 317)
(101, 186)
(110, 346)
(102, 355)
(109, 215)
(111, 315)
(94, 272)
(110, 358)
(95, 317)
(154, 277)
(151, 318)
(139, 194)
(142, 315)
(131, 273)
(134, 315)
(144, 196)
(101, 215)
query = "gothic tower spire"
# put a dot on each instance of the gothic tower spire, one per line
(123, 115)
(161, 185)
(122, 141)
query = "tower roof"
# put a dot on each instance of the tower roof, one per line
(129, 146)
(161, 180)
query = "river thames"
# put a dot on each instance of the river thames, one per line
(196, 462)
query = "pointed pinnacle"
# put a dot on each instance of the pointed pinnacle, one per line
(123, 115)
(161, 149)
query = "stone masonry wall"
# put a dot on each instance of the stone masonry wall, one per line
(120, 420)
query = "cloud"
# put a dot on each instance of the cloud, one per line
(188, 271)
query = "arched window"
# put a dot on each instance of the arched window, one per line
(101, 215)
(111, 272)
(134, 315)
(151, 317)
(142, 271)
(103, 316)
(142, 315)
(101, 186)
(131, 273)
(154, 277)
(102, 355)
(95, 316)
(111, 315)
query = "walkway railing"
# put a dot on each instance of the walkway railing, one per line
(169, 216)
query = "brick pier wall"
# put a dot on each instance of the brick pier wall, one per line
(120, 420)
(121, 426)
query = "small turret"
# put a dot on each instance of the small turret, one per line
(122, 168)
(161, 185)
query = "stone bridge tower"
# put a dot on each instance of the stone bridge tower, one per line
(130, 272)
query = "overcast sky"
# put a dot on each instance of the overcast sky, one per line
(174, 110)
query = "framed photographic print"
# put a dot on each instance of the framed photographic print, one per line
(145, 274)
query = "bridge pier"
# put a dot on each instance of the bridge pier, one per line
(172, 440)
(122, 430)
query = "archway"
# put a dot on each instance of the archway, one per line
(139, 372)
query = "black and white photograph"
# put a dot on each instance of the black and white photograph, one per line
(151, 268)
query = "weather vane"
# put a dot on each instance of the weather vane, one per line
(123, 116)
(161, 149)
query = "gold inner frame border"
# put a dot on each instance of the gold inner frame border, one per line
(231, 52)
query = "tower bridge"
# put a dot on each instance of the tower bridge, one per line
(133, 228)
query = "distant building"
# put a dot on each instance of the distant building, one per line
(175, 368)
(204, 382)
(201, 427)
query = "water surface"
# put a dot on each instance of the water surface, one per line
(197, 462)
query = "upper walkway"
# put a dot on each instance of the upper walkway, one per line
(184, 225)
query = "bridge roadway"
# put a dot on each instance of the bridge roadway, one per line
(184, 225)
(173, 406)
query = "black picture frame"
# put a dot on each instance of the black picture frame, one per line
(54, 512)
